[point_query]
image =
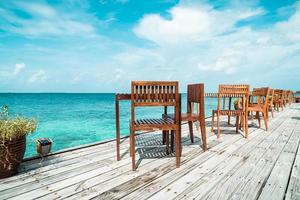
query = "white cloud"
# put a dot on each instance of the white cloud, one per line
(45, 20)
(8, 73)
(39, 76)
(290, 29)
(251, 13)
(208, 40)
(186, 23)
(226, 62)
(190, 24)
(18, 68)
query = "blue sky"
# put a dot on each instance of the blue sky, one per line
(101, 45)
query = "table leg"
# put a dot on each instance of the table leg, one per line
(117, 129)
(180, 125)
(229, 106)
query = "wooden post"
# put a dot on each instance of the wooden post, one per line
(117, 127)
(229, 106)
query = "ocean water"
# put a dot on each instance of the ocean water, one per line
(71, 120)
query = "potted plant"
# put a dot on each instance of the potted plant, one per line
(13, 132)
(238, 104)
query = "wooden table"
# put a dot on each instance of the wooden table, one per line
(127, 96)
(119, 97)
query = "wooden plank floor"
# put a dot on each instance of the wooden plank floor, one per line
(264, 166)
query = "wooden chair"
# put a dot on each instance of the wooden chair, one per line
(260, 104)
(284, 97)
(271, 104)
(233, 91)
(278, 99)
(155, 93)
(290, 97)
(195, 96)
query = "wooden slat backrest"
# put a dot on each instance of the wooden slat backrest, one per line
(278, 94)
(284, 94)
(233, 90)
(290, 96)
(154, 93)
(264, 91)
(262, 96)
(195, 93)
(271, 96)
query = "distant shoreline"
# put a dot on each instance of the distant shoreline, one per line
(64, 92)
(57, 93)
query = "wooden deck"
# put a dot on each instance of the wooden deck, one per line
(265, 166)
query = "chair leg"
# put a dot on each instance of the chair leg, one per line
(212, 122)
(172, 141)
(258, 118)
(180, 146)
(265, 120)
(130, 141)
(132, 147)
(218, 123)
(167, 142)
(164, 137)
(178, 154)
(191, 131)
(203, 133)
(246, 125)
(237, 124)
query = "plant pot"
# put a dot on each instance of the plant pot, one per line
(43, 146)
(11, 155)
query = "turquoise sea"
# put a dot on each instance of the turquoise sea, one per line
(71, 120)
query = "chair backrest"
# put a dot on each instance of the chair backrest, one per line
(278, 95)
(195, 94)
(235, 91)
(271, 97)
(262, 96)
(284, 94)
(290, 97)
(154, 93)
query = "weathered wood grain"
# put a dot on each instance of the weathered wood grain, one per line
(265, 166)
(278, 180)
(207, 183)
(293, 190)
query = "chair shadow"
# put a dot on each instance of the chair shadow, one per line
(124, 154)
(150, 146)
(296, 118)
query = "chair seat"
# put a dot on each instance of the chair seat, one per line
(155, 124)
(184, 116)
(255, 107)
(230, 112)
